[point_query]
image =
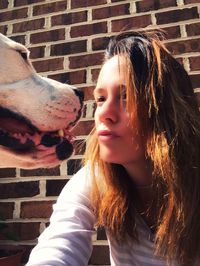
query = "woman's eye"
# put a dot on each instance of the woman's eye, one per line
(100, 99)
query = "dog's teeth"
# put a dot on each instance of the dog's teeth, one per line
(61, 133)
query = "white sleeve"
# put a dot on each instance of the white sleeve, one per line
(68, 239)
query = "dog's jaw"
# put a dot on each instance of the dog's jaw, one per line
(43, 109)
(20, 135)
(49, 105)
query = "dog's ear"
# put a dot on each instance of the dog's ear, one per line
(23, 52)
(21, 49)
(9, 43)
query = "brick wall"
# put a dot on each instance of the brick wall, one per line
(67, 39)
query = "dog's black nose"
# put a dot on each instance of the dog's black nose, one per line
(80, 94)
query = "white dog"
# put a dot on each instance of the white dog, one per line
(36, 113)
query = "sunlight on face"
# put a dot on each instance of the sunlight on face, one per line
(118, 141)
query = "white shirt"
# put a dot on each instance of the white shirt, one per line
(68, 239)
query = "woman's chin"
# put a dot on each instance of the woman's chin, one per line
(110, 158)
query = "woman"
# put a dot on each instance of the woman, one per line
(141, 175)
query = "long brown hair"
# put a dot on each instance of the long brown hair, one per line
(160, 89)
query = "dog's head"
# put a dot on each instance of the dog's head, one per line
(34, 110)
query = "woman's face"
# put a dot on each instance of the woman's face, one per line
(118, 142)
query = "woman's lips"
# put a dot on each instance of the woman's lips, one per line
(105, 135)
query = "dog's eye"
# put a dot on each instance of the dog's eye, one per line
(23, 55)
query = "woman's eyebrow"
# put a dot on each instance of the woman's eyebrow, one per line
(98, 90)
(121, 87)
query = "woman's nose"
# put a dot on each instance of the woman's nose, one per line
(109, 112)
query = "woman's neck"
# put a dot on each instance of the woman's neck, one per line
(140, 172)
(141, 175)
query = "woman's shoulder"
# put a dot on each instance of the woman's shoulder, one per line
(81, 178)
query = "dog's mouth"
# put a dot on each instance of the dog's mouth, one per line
(18, 134)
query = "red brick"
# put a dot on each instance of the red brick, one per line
(177, 15)
(49, 65)
(4, 4)
(19, 189)
(100, 43)
(49, 8)
(26, 2)
(54, 187)
(83, 128)
(86, 3)
(41, 172)
(100, 255)
(36, 209)
(198, 98)
(191, 1)
(14, 14)
(84, 111)
(110, 11)
(131, 23)
(70, 18)
(27, 249)
(101, 234)
(172, 32)
(6, 210)
(186, 46)
(195, 79)
(48, 36)
(88, 29)
(193, 29)
(3, 29)
(86, 60)
(29, 231)
(88, 93)
(14, 248)
(18, 38)
(95, 74)
(149, 5)
(7, 172)
(37, 52)
(194, 63)
(69, 48)
(73, 166)
(23, 231)
(72, 78)
(29, 25)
